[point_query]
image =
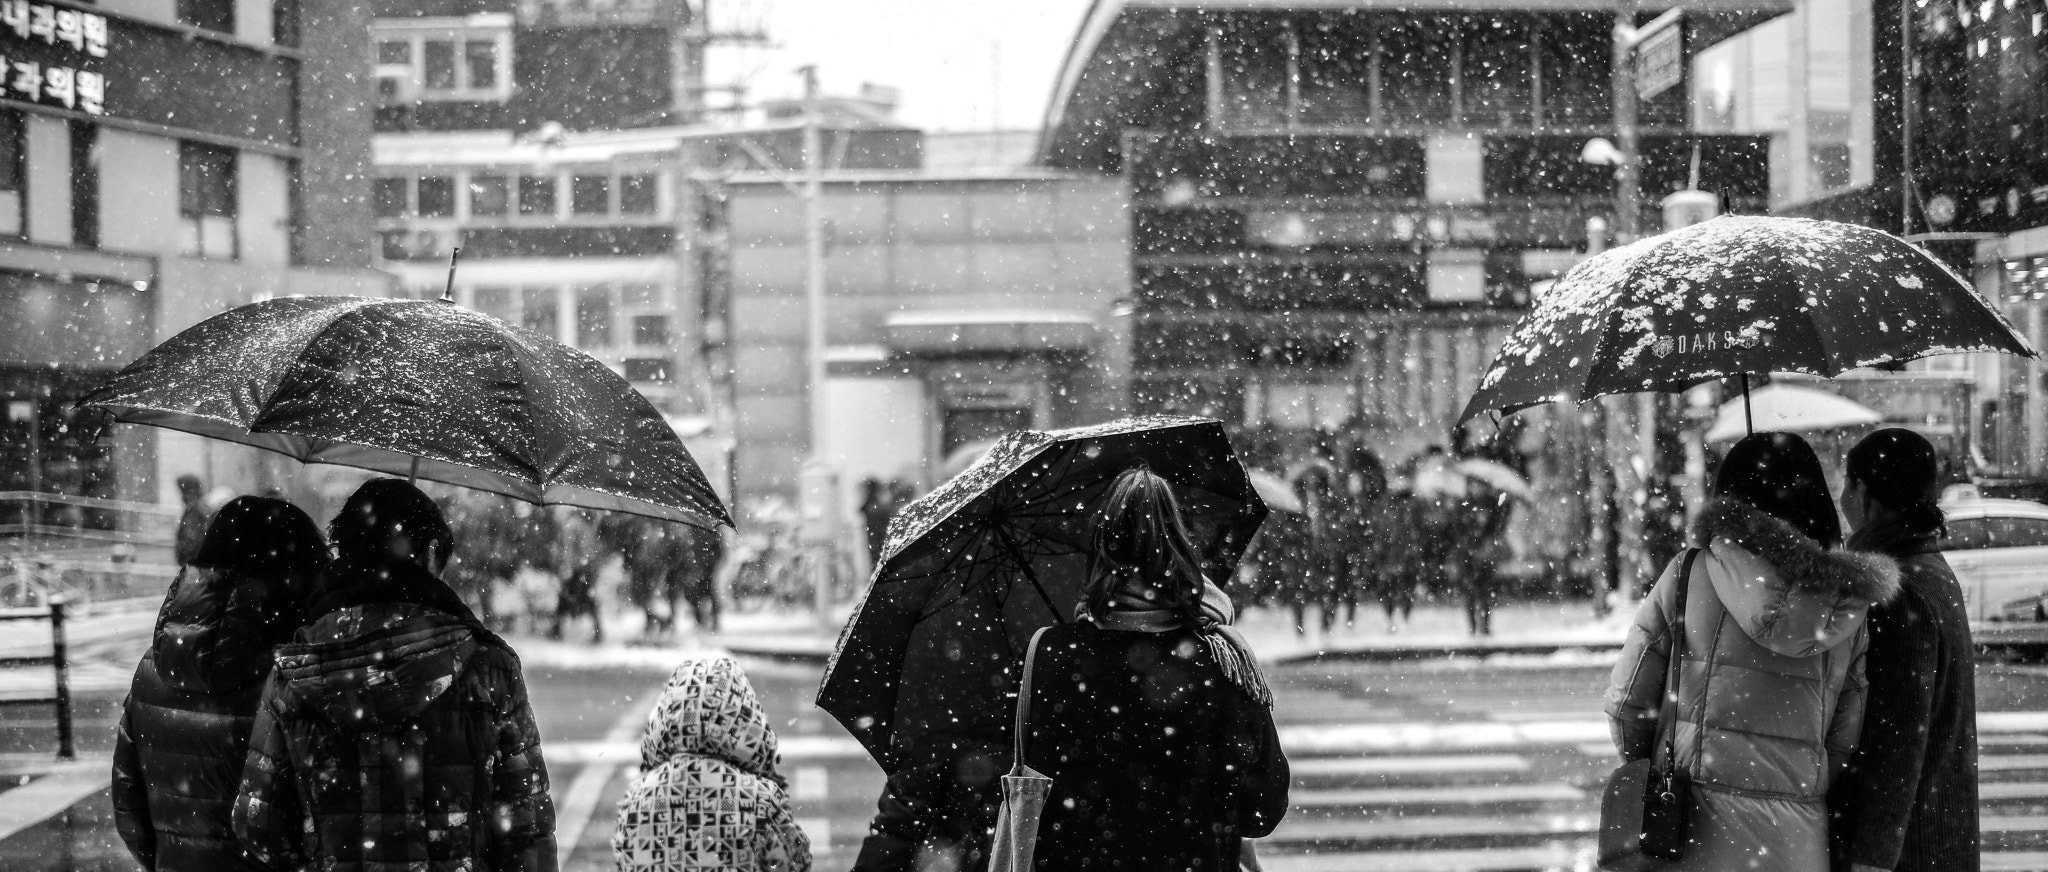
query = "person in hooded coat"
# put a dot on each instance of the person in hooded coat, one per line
(396, 733)
(1771, 690)
(1909, 799)
(708, 797)
(184, 732)
(1149, 714)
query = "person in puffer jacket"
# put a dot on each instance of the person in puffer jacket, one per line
(708, 796)
(1770, 693)
(184, 732)
(395, 734)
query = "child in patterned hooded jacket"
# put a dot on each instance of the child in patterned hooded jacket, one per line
(708, 796)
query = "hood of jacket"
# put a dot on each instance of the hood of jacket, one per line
(218, 628)
(384, 646)
(1783, 589)
(709, 709)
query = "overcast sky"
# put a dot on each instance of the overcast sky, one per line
(959, 64)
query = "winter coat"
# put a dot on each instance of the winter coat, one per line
(1909, 799)
(184, 733)
(1157, 760)
(708, 798)
(1770, 696)
(396, 736)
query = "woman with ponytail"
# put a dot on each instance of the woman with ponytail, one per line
(1909, 798)
(1150, 713)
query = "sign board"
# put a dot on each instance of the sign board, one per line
(53, 55)
(1660, 60)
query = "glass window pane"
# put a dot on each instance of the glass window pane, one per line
(1415, 69)
(437, 197)
(394, 51)
(539, 312)
(495, 302)
(489, 195)
(206, 180)
(594, 317)
(440, 65)
(640, 294)
(590, 195)
(536, 195)
(1967, 535)
(481, 59)
(650, 330)
(647, 369)
(640, 194)
(390, 197)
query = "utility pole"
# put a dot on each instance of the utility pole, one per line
(1631, 421)
(822, 515)
(1906, 118)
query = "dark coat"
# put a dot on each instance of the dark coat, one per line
(396, 735)
(1909, 799)
(184, 731)
(1157, 761)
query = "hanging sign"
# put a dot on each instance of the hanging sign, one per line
(1660, 60)
(52, 55)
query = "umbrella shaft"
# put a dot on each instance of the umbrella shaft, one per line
(1748, 423)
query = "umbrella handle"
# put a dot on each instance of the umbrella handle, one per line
(412, 476)
(1747, 423)
(448, 291)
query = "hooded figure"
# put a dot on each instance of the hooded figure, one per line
(396, 733)
(184, 731)
(1770, 696)
(708, 798)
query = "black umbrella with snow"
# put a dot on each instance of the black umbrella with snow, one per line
(1733, 296)
(973, 568)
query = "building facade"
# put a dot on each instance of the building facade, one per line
(160, 162)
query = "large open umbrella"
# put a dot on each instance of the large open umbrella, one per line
(1733, 296)
(971, 569)
(422, 389)
(1789, 409)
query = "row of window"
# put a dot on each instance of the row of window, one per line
(535, 195)
(208, 189)
(596, 317)
(443, 64)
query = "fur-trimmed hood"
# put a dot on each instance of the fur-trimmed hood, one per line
(1783, 589)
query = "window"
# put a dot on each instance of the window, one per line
(13, 174)
(437, 197)
(394, 52)
(1968, 535)
(640, 194)
(594, 317)
(2019, 533)
(495, 302)
(489, 195)
(590, 195)
(439, 66)
(207, 194)
(389, 197)
(85, 184)
(650, 330)
(640, 294)
(480, 62)
(210, 14)
(536, 195)
(647, 369)
(539, 311)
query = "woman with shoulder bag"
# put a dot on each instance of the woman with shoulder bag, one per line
(1149, 714)
(1770, 689)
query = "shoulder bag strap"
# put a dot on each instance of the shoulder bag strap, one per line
(1024, 698)
(1667, 717)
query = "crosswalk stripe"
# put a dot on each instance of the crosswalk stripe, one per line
(810, 783)
(2013, 861)
(1335, 766)
(1433, 826)
(2016, 823)
(2012, 790)
(2011, 762)
(1492, 794)
(1482, 860)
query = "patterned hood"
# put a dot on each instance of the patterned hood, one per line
(709, 709)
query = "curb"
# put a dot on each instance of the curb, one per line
(800, 656)
(813, 657)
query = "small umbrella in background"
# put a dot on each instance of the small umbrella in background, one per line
(1790, 409)
(1733, 296)
(959, 459)
(1500, 476)
(418, 389)
(1276, 492)
(973, 568)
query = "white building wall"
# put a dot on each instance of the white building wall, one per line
(265, 223)
(139, 180)
(49, 180)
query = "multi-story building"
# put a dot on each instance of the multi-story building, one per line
(162, 161)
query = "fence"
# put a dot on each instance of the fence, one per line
(54, 613)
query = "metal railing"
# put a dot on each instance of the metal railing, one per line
(61, 699)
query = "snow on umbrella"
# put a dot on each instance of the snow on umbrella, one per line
(422, 389)
(1733, 296)
(971, 569)
(1789, 409)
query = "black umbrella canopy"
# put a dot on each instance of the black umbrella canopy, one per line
(408, 387)
(971, 569)
(1733, 296)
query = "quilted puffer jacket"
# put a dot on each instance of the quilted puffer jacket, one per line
(184, 730)
(396, 736)
(707, 796)
(1770, 693)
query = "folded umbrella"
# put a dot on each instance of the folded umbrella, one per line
(1733, 296)
(972, 569)
(420, 389)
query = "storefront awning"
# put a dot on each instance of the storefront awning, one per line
(988, 331)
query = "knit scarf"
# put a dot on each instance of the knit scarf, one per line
(1129, 612)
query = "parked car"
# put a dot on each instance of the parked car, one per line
(1999, 550)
